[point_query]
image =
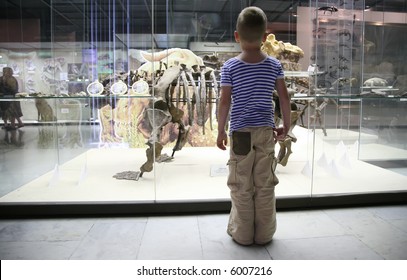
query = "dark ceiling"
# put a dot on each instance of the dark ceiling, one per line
(111, 20)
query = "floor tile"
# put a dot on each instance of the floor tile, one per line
(378, 232)
(382, 236)
(171, 238)
(217, 244)
(46, 230)
(389, 212)
(400, 224)
(323, 248)
(112, 239)
(38, 250)
(6, 223)
(306, 224)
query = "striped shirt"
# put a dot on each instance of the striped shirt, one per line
(252, 91)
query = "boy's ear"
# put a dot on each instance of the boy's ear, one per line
(237, 39)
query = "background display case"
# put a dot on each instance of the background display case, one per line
(89, 77)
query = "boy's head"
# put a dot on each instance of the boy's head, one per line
(251, 24)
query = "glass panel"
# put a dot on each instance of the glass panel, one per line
(383, 120)
(30, 151)
(108, 119)
(199, 170)
(337, 32)
(193, 33)
(83, 48)
(363, 118)
(81, 113)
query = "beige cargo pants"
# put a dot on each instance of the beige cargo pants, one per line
(252, 181)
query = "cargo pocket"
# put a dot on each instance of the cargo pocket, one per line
(241, 142)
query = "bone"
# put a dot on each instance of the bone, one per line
(203, 97)
(158, 118)
(196, 94)
(166, 79)
(216, 91)
(178, 91)
(187, 97)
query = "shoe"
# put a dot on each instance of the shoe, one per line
(10, 127)
(20, 125)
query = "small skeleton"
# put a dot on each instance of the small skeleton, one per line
(330, 9)
(375, 82)
(317, 117)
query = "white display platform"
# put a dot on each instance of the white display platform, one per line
(199, 173)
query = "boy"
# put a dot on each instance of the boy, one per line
(247, 84)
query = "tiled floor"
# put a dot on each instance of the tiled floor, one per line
(378, 232)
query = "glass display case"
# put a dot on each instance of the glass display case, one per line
(119, 102)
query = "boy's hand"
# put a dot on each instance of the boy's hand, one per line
(280, 134)
(222, 140)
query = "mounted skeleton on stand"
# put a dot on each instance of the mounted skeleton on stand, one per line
(186, 81)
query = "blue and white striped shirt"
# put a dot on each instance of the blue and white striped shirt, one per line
(252, 91)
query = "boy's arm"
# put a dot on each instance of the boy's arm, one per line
(285, 108)
(224, 106)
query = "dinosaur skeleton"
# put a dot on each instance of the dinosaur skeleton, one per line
(181, 80)
(183, 83)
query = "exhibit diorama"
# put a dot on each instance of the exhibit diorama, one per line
(119, 98)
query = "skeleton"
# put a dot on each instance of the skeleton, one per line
(317, 117)
(285, 145)
(289, 56)
(182, 95)
(375, 82)
(158, 115)
(330, 9)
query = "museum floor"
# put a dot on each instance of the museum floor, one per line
(369, 233)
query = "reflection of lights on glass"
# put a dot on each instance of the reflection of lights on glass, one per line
(378, 23)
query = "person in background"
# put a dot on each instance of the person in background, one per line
(247, 85)
(10, 110)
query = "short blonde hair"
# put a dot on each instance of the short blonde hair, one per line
(251, 24)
